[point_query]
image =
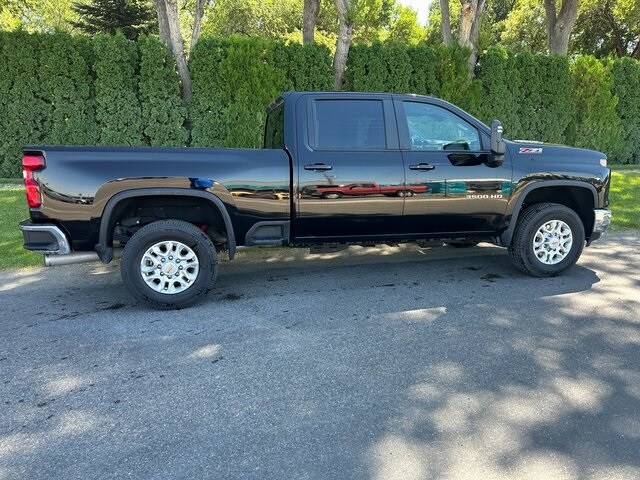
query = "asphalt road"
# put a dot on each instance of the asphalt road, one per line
(370, 364)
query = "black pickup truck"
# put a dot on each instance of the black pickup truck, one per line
(424, 170)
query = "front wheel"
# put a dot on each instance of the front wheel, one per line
(169, 264)
(548, 239)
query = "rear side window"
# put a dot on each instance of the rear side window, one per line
(349, 125)
(274, 130)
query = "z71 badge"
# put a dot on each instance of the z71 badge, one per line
(530, 150)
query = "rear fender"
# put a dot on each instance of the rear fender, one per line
(104, 248)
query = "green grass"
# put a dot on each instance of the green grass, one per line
(13, 209)
(17, 181)
(622, 168)
(624, 198)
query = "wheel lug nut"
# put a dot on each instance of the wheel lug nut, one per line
(163, 259)
(170, 257)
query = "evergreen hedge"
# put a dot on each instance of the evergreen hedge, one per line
(596, 124)
(626, 86)
(118, 112)
(108, 90)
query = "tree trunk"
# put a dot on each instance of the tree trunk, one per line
(447, 38)
(169, 10)
(197, 23)
(163, 23)
(343, 43)
(470, 20)
(309, 17)
(559, 26)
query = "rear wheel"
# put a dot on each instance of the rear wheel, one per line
(169, 264)
(332, 195)
(548, 239)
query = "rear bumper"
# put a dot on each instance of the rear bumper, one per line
(601, 223)
(44, 238)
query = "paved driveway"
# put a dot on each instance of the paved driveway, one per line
(375, 364)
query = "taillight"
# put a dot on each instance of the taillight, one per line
(30, 164)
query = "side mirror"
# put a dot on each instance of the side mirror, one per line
(497, 144)
(498, 147)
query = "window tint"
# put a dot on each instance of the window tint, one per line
(274, 130)
(349, 124)
(434, 128)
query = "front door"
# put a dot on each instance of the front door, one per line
(451, 188)
(350, 172)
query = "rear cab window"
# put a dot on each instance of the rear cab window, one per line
(348, 124)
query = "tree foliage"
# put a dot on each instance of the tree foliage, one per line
(626, 87)
(608, 27)
(596, 124)
(116, 90)
(163, 113)
(130, 17)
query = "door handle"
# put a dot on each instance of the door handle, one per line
(422, 167)
(318, 167)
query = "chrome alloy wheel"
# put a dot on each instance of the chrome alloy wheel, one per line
(552, 242)
(169, 267)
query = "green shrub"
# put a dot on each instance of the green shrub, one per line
(234, 81)
(424, 79)
(27, 113)
(306, 68)
(163, 112)
(207, 101)
(66, 80)
(626, 86)
(596, 125)
(500, 90)
(116, 90)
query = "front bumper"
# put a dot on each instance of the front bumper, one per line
(44, 238)
(601, 223)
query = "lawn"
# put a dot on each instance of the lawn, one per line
(13, 209)
(624, 198)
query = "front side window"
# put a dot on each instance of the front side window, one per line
(349, 125)
(434, 128)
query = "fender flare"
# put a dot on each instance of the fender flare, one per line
(507, 235)
(105, 251)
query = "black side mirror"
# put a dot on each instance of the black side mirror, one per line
(498, 147)
(497, 144)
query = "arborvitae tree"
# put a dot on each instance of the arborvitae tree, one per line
(423, 79)
(556, 89)
(306, 67)
(65, 77)
(248, 81)
(131, 17)
(204, 108)
(26, 114)
(116, 90)
(452, 73)
(626, 86)
(596, 125)
(500, 89)
(163, 113)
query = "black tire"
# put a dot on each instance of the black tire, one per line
(521, 250)
(332, 195)
(166, 231)
(462, 244)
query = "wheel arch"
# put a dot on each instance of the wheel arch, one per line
(114, 208)
(581, 197)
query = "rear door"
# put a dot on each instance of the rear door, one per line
(451, 190)
(347, 150)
